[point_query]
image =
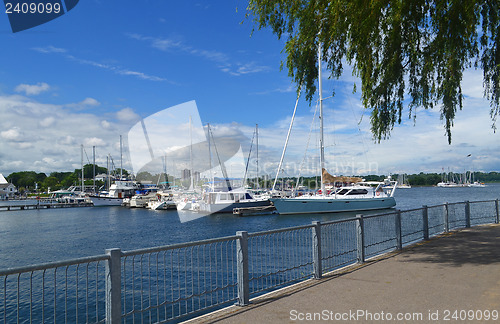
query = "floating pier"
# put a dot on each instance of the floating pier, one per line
(44, 206)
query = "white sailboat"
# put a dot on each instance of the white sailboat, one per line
(118, 191)
(403, 181)
(355, 196)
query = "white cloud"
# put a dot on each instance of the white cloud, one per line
(127, 115)
(28, 134)
(93, 141)
(247, 68)
(13, 134)
(34, 89)
(25, 145)
(113, 68)
(50, 49)
(67, 140)
(105, 124)
(47, 122)
(222, 60)
(90, 102)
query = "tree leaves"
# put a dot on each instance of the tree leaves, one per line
(408, 54)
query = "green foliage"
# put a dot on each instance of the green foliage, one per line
(88, 171)
(52, 183)
(26, 179)
(417, 48)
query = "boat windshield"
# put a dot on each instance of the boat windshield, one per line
(349, 192)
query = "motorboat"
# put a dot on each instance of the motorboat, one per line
(119, 190)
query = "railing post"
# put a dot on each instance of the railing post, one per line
(399, 237)
(498, 214)
(316, 237)
(242, 268)
(425, 222)
(445, 218)
(467, 214)
(113, 286)
(360, 238)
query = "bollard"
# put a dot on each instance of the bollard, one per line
(445, 220)
(399, 237)
(360, 239)
(242, 268)
(497, 220)
(113, 286)
(467, 214)
(316, 237)
(425, 222)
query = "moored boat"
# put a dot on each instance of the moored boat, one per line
(349, 194)
(226, 201)
(119, 190)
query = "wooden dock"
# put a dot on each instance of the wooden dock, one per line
(44, 206)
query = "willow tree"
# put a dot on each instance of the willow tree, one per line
(407, 54)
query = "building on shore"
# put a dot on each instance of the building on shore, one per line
(7, 190)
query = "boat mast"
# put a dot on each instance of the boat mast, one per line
(257, 160)
(191, 151)
(83, 183)
(321, 141)
(108, 175)
(210, 158)
(93, 168)
(121, 159)
(286, 143)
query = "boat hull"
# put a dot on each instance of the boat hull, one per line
(330, 205)
(228, 207)
(106, 201)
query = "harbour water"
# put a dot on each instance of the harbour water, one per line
(37, 236)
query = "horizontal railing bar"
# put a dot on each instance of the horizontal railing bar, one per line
(338, 221)
(178, 246)
(52, 265)
(456, 203)
(337, 255)
(480, 201)
(380, 215)
(412, 210)
(435, 206)
(281, 230)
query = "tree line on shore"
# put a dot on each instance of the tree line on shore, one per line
(31, 180)
(418, 179)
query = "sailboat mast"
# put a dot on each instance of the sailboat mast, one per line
(257, 160)
(83, 181)
(321, 140)
(121, 159)
(93, 168)
(212, 177)
(191, 151)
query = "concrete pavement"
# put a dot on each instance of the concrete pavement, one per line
(451, 278)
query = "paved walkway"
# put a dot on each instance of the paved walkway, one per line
(426, 283)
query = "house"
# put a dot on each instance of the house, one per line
(7, 190)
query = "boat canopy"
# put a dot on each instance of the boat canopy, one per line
(328, 178)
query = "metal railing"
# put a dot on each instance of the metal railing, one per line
(174, 282)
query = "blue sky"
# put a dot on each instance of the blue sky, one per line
(90, 75)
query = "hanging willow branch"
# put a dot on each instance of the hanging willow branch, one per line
(407, 54)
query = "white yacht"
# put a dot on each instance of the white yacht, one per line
(119, 190)
(226, 201)
(349, 197)
(357, 196)
(161, 201)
